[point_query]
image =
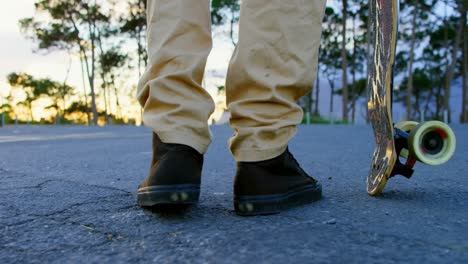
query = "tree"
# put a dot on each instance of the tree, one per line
(330, 52)
(359, 13)
(462, 8)
(35, 88)
(29, 86)
(442, 55)
(77, 111)
(134, 25)
(422, 94)
(464, 69)
(416, 22)
(411, 60)
(110, 61)
(6, 107)
(316, 111)
(344, 62)
(356, 90)
(223, 11)
(70, 25)
(58, 93)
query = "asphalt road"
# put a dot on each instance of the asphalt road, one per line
(67, 195)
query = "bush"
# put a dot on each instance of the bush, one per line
(314, 119)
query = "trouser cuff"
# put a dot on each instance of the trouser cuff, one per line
(251, 155)
(186, 138)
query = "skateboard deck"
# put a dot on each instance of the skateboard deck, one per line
(383, 31)
(432, 142)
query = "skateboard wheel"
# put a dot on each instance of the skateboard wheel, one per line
(432, 142)
(406, 126)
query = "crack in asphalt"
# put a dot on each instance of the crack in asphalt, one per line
(41, 184)
(68, 214)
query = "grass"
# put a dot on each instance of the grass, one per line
(323, 121)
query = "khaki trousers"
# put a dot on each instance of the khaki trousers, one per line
(273, 65)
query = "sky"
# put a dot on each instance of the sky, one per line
(16, 55)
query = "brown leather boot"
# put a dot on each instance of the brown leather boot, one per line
(271, 186)
(174, 176)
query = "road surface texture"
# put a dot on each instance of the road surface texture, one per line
(67, 195)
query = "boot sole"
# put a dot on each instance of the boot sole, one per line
(273, 204)
(168, 194)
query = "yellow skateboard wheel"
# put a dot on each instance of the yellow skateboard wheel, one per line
(406, 126)
(432, 142)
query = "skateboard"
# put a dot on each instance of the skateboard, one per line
(400, 146)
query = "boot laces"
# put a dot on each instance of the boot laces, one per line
(290, 155)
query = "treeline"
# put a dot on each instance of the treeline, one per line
(95, 32)
(432, 56)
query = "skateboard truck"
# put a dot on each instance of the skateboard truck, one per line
(401, 142)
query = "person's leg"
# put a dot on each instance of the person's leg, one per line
(175, 104)
(176, 107)
(273, 65)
